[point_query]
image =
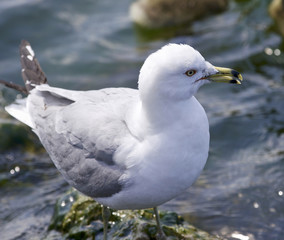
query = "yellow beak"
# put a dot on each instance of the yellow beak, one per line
(226, 75)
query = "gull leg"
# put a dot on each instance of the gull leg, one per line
(105, 215)
(161, 235)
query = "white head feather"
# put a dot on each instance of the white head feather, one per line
(163, 74)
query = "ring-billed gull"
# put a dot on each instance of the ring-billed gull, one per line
(126, 148)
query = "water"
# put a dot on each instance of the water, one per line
(93, 44)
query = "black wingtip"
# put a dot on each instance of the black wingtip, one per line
(32, 73)
(24, 43)
(14, 86)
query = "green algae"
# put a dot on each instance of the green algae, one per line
(79, 217)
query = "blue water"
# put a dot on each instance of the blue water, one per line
(93, 44)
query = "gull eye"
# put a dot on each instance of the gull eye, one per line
(190, 73)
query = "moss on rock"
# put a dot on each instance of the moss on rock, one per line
(79, 217)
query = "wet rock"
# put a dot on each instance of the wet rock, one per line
(166, 13)
(79, 217)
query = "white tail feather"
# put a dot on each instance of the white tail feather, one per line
(19, 111)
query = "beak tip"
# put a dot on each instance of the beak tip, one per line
(226, 75)
(236, 81)
(240, 77)
(237, 75)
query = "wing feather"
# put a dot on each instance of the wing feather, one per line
(82, 135)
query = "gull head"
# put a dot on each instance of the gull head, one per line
(177, 71)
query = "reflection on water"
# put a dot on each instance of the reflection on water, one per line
(269, 51)
(240, 194)
(15, 170)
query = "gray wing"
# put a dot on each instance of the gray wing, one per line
(82, 135)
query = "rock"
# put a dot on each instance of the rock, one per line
(276, 11)
(166, 13)
(79, 217)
